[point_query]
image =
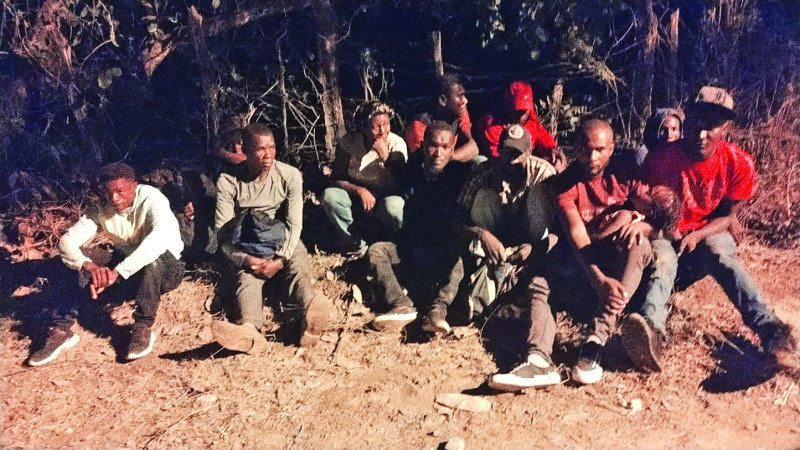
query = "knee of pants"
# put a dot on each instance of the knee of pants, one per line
(721, 244)
(335, 198)
(393, 206)
(641, 252)
(538, 290)
(665, 260)
(378, 253)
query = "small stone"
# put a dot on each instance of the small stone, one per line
(635, 405)
(455, 443)
(205, 334)
(329, 275)
(464, 402)
(356, 294)
(207, 399)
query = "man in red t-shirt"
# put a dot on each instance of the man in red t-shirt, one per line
(518, 108)
(450, 107)
(713, 177)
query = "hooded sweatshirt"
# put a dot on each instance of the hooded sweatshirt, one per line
(519, 97)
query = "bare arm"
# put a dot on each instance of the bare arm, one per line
(466, 152)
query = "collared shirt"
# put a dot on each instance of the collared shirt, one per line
(143, 232)
(283, 185)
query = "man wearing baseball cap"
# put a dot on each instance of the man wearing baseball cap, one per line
(713, 177)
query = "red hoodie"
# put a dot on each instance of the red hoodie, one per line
(519, 97)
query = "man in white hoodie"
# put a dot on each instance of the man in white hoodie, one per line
(147, 249)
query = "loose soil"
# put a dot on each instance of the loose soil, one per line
(363, 389)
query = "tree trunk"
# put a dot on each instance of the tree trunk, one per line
(327, 45)
(436, 51)
(208, 81)
(673, 80)
(647, 37)
(555, 107)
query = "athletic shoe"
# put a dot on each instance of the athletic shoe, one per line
(782, 347)
(588, 369)
(643, 344)
(239, 338)
(141, 342)
(398, 317)
(435, 322)
(537, 370)
(57, 340)
(315, 321)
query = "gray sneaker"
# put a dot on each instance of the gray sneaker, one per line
(58, 339)
(141, 341)
(435, 321)
(536, 371)
(643, 344)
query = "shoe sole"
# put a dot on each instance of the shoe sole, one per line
(238, 338)
(512, 383)
(145, 352)
(392, 321)
(436, 327)
(69, 343)
(638, 339)
(315, 321)
(590, 377)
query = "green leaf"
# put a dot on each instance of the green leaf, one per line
(116, 71)
(215, 4)
(152, 28)
(105, 79)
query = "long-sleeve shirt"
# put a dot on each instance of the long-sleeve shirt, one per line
(283, 184)
(143, 232)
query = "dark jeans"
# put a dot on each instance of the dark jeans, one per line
(432, 274)
(146, 287)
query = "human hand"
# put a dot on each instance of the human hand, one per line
(188, 211)
(613, 294)
(689, 243)
(367, 199)
(102, 277)
(633, 233)
(267, 267)
(381, 146)
(494, 249)
(520, 255)
(613, 222)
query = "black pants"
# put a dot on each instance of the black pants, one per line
(145, 287)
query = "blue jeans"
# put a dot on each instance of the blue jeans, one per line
(659, 279)
(340, 207)
(716, 256)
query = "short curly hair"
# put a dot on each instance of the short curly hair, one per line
(115, 171)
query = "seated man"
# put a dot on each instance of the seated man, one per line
(713, 177)
(450, 106)
(424, 248)
(597, 269)
(518, 108)
(365, 174)
(264, 187)
(503, 211)
(146, 239)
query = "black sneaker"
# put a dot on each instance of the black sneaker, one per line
(643, 344)
(396, 318)
(57, 339)
(588, 369)
(782, 347)
(435, 321)
(537, 370)
(141, 341)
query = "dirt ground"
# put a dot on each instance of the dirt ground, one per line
(363, 389)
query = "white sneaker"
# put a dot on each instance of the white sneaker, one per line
(537, 370)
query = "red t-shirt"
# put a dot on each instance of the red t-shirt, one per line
(542, 142)
(416, 130)
(593, 197)
(728, 174)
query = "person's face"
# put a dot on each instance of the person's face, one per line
(593, 152)
(120, 193)
(379, 127)
(439, 151)
(702, 135)
(670, 130)
(261, 158)
(455, 102)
